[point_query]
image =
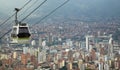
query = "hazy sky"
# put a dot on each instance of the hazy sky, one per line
(74, 7)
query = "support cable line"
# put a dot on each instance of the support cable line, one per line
(7, 19)
(6, 33)
(15, 13)
(25, 4)
(52, 12)
(33, 10)
(29, 8)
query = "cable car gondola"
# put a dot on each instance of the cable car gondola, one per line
(20, 32)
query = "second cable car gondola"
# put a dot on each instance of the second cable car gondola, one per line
(20, 32)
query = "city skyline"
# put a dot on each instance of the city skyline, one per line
(60, 35)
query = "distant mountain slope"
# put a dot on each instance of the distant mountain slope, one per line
(92, 8)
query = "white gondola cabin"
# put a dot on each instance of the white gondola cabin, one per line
(20, 33)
